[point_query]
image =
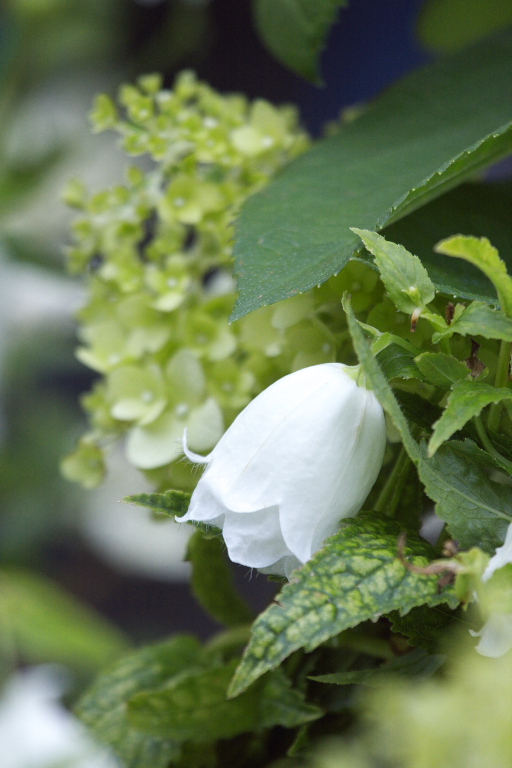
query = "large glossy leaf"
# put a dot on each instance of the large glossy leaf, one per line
(422, 137)
(295, 31)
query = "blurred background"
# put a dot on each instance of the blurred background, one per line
(83, 577)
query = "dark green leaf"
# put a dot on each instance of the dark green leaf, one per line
(295, 31)
(212, 581)
(397, 362)
(417, 410)
(356, 576)
(411, 502)
(420, 138)
(423, 626)
(104, 707)
(172, 503)
(194, 707)
(46, 624)
(280, 704)
(477, 510)
(440, 369)
(446, 25)
(465, 401)
(501, 442)
(471, 451)
(418, 664)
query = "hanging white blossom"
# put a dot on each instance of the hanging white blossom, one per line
(302, 456)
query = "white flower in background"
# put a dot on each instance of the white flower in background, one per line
(496, 634)
(37, 732)
(301, 456)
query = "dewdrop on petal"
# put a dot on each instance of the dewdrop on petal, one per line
(300, 457)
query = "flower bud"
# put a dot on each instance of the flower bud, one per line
(302, 456)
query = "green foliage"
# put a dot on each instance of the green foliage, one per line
(193, 707)
(172, 503)
(39, 622)
(367, 608)
(466, 400)
(478, 319)
(479, 208)
(446, 25)
(417, 664)
(476, 509)
(454, 721)
(154, 704)
(397, 362)
(425, 627)
(482, 254)
(307, 211)
(356, 576)
(212, 581)
(379, 384)
(103, 707)
(406, 279)
(295, 31)
(441, 369)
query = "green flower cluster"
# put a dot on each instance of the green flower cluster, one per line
(156, 251)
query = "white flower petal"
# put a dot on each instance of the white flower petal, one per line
(255, 540)
(204, 507)
(502, 556)
(354, 446)
(284, 567)
(302, 456)
(495, 635)
(195, 457)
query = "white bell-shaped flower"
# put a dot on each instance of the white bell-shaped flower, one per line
(302, 455)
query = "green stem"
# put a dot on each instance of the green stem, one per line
(501, 380)
(390, 494)
(489, 447)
